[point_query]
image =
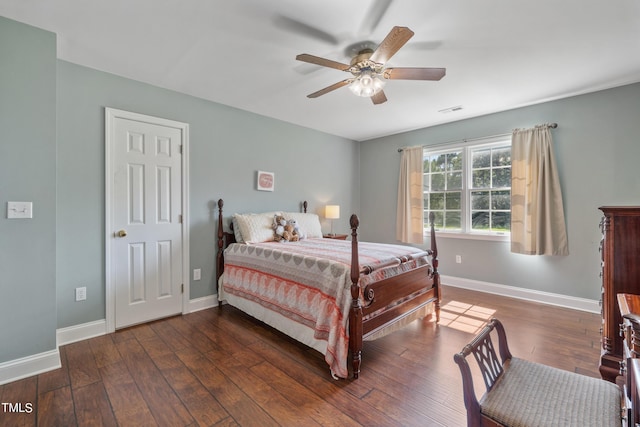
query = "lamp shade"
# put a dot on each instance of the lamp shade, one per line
(366, 84)
(332, 211)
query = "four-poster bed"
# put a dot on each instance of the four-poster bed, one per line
(377, 287)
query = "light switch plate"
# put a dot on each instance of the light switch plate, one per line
(16, 210)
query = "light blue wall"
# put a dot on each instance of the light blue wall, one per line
(597, 150)
(227, 147)
(27, 173)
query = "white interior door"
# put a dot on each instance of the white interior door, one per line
(146, 227)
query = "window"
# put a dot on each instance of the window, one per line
(443, 178)
(468, 188)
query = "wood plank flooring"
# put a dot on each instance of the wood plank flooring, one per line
(222, 368)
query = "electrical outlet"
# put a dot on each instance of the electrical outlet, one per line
(196, 274)
(81, 294)
(458, 259)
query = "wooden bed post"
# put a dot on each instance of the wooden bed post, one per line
(434, 263)
(219, 255)
(355, 314)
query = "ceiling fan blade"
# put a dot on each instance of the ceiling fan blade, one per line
(379, 98)
(298, 27)
(391, 44)
(374, 15)
(305, 57)
(329, 88)
(414, 73)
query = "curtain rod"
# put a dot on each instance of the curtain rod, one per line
(551, 125)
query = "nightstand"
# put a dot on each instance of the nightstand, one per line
(335, 236)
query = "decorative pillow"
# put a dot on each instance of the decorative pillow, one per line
(308, 223)
(236, 230)
(254, 228)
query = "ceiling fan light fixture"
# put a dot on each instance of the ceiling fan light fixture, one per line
(366, 84)
(368, 67)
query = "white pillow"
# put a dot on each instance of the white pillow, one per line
(308, 223)
(236, 230)
(255, 228)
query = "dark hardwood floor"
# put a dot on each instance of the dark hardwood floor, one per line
(222, 368)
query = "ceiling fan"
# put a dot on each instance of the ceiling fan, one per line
(368, 70)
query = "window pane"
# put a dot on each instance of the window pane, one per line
(480, 220)
(501, 200)
(452, 201)
(437, 181)
(425, 182)
(481, 159)
(438, 220)
(501, 177)
(454, 161)
(454, 181)
(425, 165)
(436, 201)
(438, 163)
(481, 178)
(480, 200)
(501, 157)
(501, 221)
(452, 220)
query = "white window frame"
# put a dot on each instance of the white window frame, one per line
(465, 203)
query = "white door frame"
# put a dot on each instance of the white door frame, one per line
(110, 291)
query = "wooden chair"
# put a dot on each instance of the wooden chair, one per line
(520, 393)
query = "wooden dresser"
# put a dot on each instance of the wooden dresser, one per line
(620, 261)
(629, 306)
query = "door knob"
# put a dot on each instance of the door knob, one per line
(122, 233)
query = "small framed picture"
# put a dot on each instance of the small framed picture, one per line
(265, 181)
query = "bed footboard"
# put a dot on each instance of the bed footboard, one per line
(391, 300)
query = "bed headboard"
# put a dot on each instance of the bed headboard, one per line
(225, 238)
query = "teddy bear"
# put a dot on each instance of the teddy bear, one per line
(296, 229)
(278, 227)
(290, 233)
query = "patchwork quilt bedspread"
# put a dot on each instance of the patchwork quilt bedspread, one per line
(308, 284)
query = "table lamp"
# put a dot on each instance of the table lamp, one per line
(332, 212)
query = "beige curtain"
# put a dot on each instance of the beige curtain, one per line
(537, 213)
(409, 227)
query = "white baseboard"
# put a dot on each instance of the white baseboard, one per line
(81, 332)
(24, 367)
(575, 303)
(99, 327)
(17, 369)
(202, 303)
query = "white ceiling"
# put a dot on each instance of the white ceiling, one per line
(499, 54)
